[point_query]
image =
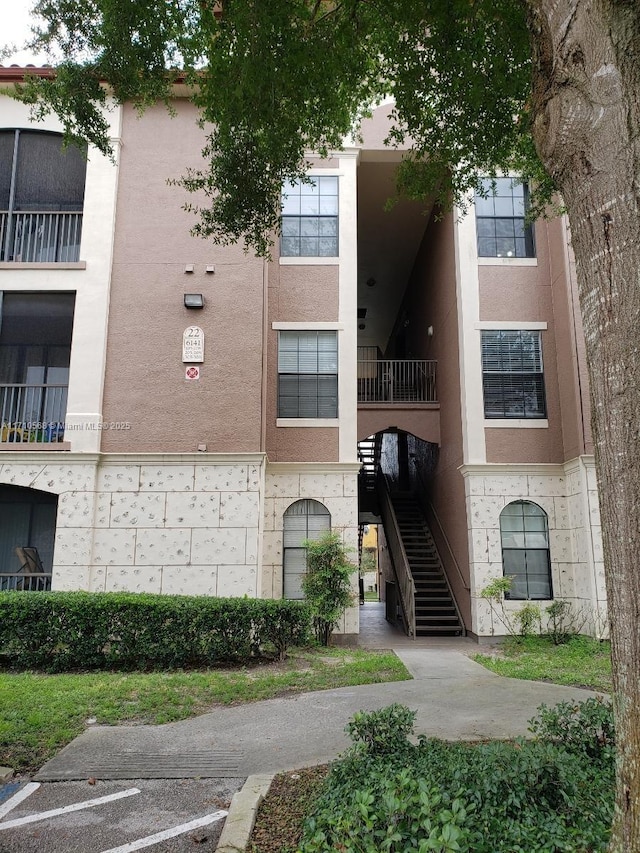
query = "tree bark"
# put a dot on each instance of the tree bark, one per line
(586, 113)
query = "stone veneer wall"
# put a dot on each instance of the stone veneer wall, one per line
(333, 484)
(181, 524)
(568, 494)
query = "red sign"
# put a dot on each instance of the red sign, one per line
(192, 373)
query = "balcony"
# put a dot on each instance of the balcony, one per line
(25, 582)
(397, 381)
(32, 413)
(398, 393)
(32, 576)
(40, 236)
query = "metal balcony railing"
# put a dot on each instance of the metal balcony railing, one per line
(23, 582)
(40, 236)
(32, 413)
(397, 381)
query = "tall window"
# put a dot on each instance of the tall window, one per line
(500, 220)
(310, 219)
(512, 375)
(524, 533)
(35, 349)
(302, 520)
(41, 197)
(308, 375)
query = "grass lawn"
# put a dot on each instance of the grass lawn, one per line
(39, 714)
(582, 662)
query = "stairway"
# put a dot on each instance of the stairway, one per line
(436, 614)
(369, 456)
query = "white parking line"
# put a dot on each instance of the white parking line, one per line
(168, 833)
(14, 801)
(86, 804)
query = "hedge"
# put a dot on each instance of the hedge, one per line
(62, 631)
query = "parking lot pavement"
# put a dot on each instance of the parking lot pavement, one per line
(116, 816)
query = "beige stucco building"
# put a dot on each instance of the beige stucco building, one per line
(377, 358)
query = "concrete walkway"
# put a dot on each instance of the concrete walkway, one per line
(455, 699)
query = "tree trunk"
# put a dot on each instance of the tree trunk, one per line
(586, 111)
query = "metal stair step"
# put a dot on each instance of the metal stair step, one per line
(420, 609)
(426, 630)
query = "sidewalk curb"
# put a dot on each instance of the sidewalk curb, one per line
(239, 823)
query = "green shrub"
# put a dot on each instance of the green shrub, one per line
(528, 618)
(518, 797)
(383, 731)
(582, 727)
(395, 812)
(327, 583)
(62, 631)
(284, 624)
(564, 621)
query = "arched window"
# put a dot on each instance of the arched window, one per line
(524, 534)
(305, 519)
(27, 535)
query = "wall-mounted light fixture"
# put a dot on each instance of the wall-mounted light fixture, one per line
(193, 300)
(188, 268)
(210, 269)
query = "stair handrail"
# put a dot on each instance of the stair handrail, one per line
(399, 559)
(430, 511)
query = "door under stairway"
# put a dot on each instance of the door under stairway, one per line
(435, 611)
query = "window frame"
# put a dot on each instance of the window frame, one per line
(517, 224)
(528, 576)
(506, 377)
(32, 228)
(286, 376)
(294, 195)
(307, 503)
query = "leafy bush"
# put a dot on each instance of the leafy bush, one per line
(583, 727)
(564, 621)
(494, 594)
(61, 631)
(284, 623)
(327, 584)
(528, 618)
(383, 731)
(520, 797)
(395, 812)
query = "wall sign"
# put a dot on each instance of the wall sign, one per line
(192, 372)
(193, 345)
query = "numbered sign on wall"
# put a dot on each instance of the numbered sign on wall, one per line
(193, 345)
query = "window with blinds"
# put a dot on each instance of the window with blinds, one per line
(307, 519)
(501, 224)
(524, 535)
(512, 374)
(308, 374)
(310, 218)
